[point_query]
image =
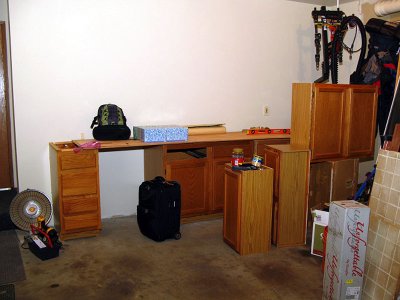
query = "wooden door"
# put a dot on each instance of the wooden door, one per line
(217, 204)
(6, 174)
(232, 209)
(328, 121)
(272, 161)
(193, 178)
(293, 194)
(359, 136)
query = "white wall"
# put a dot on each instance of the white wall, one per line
(163, 62)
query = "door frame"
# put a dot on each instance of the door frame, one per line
(9, 179)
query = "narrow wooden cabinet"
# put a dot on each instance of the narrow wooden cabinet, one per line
(248, 210)
(291, 168)
(334, 120)
(75, 190)
(222, 154)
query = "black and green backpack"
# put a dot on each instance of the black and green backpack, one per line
(111, 124)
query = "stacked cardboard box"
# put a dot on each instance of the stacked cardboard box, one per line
(321, 219)
(345, 250)
(332, 180)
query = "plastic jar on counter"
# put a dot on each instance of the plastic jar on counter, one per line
(237, 157)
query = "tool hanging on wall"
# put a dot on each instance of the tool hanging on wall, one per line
(325, 20)
(338, 25)
(350, 22)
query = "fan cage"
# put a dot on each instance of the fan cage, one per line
(27, 206)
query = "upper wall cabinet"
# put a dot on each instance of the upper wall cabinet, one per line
(334, 120)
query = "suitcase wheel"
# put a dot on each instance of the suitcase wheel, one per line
(177, 235)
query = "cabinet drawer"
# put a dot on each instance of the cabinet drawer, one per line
(83, 221)
(82, 159)
(226, 149)
(79, 183)
(84, 204)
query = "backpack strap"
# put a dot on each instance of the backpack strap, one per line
(94, 122)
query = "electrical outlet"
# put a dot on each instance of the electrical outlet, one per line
(265, 110)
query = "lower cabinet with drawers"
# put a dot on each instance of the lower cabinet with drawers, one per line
(197, 164)
(75, 190)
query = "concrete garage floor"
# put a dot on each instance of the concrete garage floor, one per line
(123, 264)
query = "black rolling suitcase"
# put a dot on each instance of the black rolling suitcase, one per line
(159, 209)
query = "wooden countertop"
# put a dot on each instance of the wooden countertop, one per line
(204, 138)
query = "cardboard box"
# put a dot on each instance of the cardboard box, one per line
(160, 133)
(176, 133)
(345, 250)
(333, 180)
(320, 218)
(149, 133)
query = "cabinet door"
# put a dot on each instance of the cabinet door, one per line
(327, 121)
(272, 161)
(233, 191)
(359, 137)
(293, 194)
(218, 190)
(192, 176)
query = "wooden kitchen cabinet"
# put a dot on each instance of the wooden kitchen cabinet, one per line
(75, 190)
(193, 177)
(187, 164)
(248, 210)
(291, 167)
(334, 120)
(222, 154)
(199, 168)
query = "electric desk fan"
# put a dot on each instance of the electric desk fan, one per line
(27, 206)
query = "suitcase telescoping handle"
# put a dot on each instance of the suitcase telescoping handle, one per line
(162, 180)
(159, 178)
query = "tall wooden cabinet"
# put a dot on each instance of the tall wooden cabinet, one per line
(248, 210)
(75, 190)
(291, 167)
(334, 120)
